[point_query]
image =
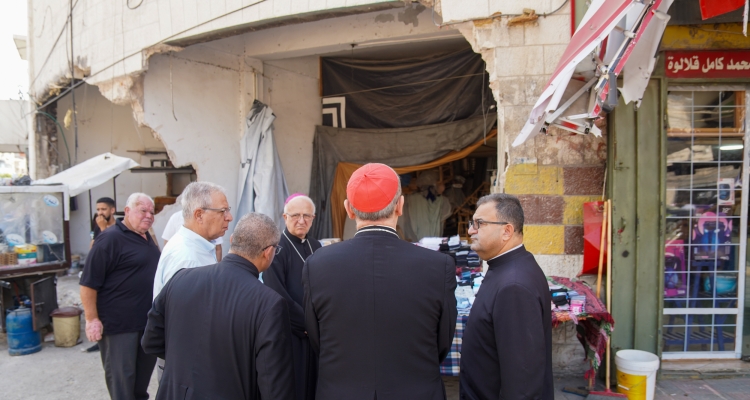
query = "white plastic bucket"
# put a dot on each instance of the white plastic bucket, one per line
(636, 374)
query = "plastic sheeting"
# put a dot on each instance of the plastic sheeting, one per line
(262, 187)
(90, 173)
(408, 92)
(398, 147)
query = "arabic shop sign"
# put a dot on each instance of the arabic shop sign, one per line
(707, 64)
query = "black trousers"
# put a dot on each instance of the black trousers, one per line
(127, 369)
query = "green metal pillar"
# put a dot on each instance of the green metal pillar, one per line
(636, 165)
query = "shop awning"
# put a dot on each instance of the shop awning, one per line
(624, 22)
(90, 173)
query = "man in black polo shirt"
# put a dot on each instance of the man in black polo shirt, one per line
(116, 291)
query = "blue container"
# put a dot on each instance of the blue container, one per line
(22, 339)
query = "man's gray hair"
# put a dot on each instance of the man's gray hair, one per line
(309, 200)
(198, 195)
(378, 215)
(507, 208)
(136, 198)
(253, 234)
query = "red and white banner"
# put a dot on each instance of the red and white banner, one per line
(707, 64)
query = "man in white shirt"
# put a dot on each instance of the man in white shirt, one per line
(207, 216)
(176, 221)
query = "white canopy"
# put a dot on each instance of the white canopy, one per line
(90, 173)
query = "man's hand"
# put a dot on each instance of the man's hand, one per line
(94, 330)
(102, 222)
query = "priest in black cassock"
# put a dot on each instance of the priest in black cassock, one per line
(507, 344)
(222, 333)
(380, 311)
(285, 277)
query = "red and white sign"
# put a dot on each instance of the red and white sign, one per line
(707, 64)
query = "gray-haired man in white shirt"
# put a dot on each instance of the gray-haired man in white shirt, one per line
(207, 216)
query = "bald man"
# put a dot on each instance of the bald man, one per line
(285, 277)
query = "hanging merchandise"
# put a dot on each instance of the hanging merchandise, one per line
(426, 210)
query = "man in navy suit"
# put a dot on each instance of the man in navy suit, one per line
(381, 312)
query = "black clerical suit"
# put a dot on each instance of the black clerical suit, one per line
(507, 344)
(222, 334)
(381, 313)
(285, 277)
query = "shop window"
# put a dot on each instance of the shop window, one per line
(705, 147)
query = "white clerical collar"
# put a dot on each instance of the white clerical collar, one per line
(504, 253)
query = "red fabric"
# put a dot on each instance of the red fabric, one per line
(713, 8)
(372, 187)
(592, 234)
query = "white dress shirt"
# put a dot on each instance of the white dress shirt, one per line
(186, 249)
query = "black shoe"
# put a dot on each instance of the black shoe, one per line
(93, 348)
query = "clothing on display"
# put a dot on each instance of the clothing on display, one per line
(424, 217)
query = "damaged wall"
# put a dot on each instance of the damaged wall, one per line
(552, 175)
(105, 127)
(193, 106)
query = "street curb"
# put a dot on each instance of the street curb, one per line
(717, 374)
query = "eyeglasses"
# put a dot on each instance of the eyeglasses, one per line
(479, 222)
(224, 211)
(306, 217)
(278, 248)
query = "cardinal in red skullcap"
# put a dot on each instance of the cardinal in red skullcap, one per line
(379, 311)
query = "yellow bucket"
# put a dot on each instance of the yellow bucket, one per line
(636, 374)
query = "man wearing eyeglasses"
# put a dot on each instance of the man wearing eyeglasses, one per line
(380, 312)
(285, 277)
(207, 216)
(116, 294)
(223, 334)
(507, 344)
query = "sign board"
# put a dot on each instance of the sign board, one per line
(707, 64)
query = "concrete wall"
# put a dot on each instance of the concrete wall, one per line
(109, 37)
(105, 127)
(291, 90)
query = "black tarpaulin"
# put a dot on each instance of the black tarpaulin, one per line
(373, 94)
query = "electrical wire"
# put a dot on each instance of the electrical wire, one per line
(127, 3)
(72, 81)
(65, 26)
(405, 84)
(140, 52)
(498, 16)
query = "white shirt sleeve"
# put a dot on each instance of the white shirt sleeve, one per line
(173, 225)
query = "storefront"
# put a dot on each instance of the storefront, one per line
(678, 163)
